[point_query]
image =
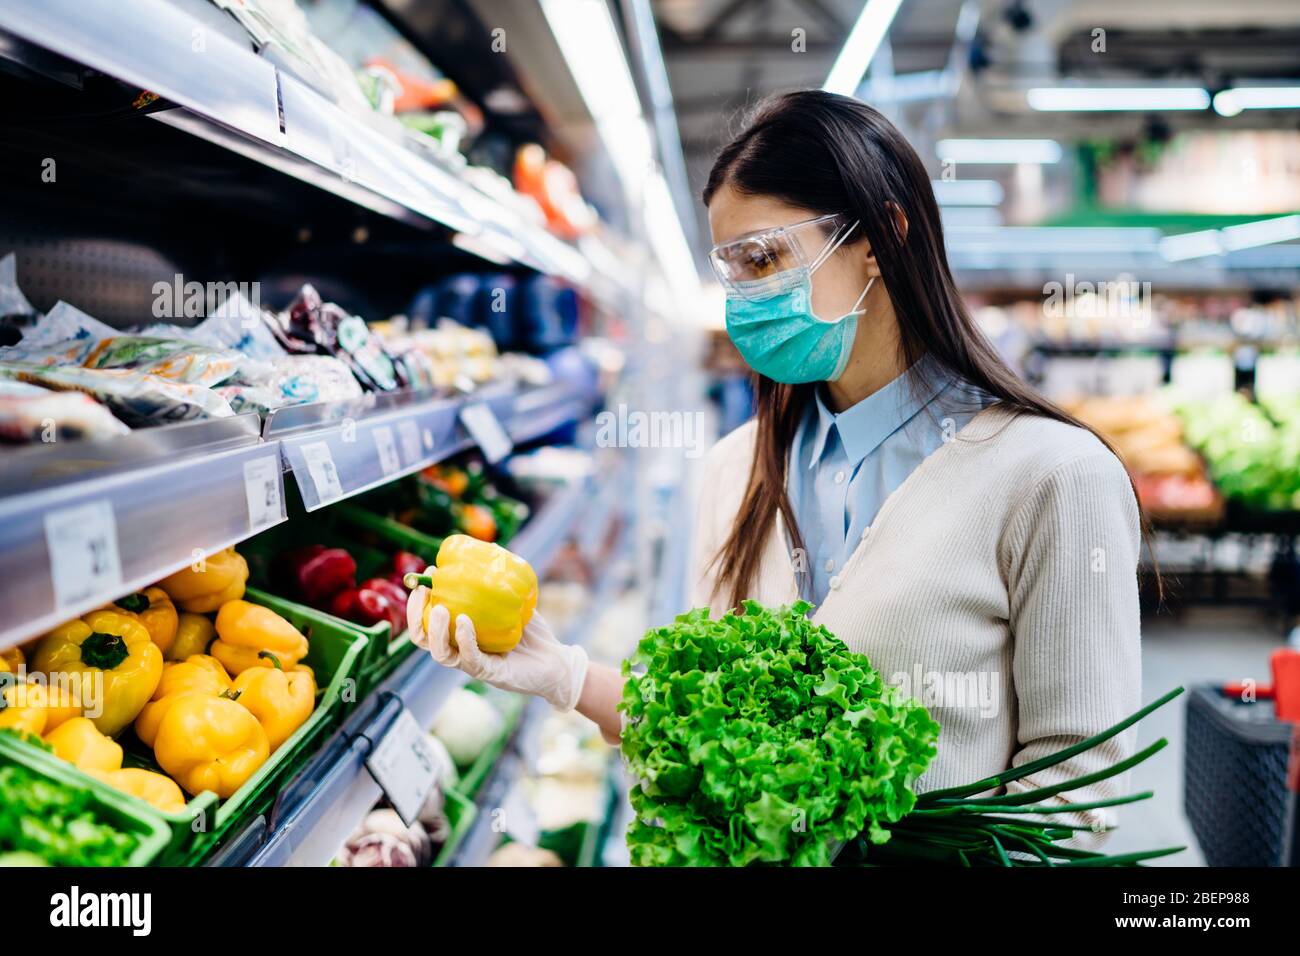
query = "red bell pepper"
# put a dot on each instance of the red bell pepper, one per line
(315, 573)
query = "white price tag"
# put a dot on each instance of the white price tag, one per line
(409, 433)
(405, 766)
(481, 423)
(387, 449)
(262, 488)
(82, 544)
(320, 464)
(519, 818)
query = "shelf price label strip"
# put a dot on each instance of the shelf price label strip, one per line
(340, 459)
(71, 548)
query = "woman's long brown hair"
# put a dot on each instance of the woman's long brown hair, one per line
(834, 154)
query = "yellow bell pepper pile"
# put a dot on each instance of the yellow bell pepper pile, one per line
(213, 699)
(109, 661)
(155, 610)
(249, 635)
(204, 587)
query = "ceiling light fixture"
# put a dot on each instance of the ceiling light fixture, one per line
(1233, 101)
(863, 41)
(1098, 99)
(998, 151)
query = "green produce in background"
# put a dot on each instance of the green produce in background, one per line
(1253, 451)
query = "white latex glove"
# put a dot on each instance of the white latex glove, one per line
(539, 664)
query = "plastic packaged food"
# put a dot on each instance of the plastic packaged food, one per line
(29, 413)
(137, 398)
(63, 337)
(333, 331)
(175, 359)
(300, 379)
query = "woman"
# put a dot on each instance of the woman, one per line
(974, 541)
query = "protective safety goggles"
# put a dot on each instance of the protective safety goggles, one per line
(763, 264)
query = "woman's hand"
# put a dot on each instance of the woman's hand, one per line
(539, 665)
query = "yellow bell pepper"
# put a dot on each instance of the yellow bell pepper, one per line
(79, 742)
(153, 788)
(245, 631)
(210, 743)
(222, 579)
(11, 660)
(194, 633)
(155, 611)
(494, 588)
(110, 664)
(60, 706)
(24, 708)
(199, 674)
(280, 700)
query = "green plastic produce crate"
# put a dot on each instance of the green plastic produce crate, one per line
(334, 654)
(338, 527)
(461, 813)
(385, 536)
(576, 844)
(123, 813)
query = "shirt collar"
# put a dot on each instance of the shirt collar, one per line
(862, 427)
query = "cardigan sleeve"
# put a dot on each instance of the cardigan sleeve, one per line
(1071, 551)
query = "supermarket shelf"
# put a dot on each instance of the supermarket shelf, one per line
(341, 449)
(325, 802)
(240, 100)
(123, 513)
(135, 509)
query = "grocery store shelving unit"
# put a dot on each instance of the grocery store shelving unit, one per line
(243, 102)
(132, 510)
(321, 806)
(81, 523)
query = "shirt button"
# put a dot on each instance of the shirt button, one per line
(830, 564)
(839, 477)
(835, 582)
(865, 532)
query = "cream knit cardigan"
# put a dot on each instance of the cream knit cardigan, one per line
(997, 584)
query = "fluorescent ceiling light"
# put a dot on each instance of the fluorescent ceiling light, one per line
(667, 240)
(1214, 242)
(967, 192)
(1191, 245)
(591, 46)
(1054, 99)
(863, 41)
(1233, 101)
(970, 217)
(1262, 232)
(593, 50)
(998, 151)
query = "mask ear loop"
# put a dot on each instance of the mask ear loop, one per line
(855, 310)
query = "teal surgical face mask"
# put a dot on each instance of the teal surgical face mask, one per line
(769, 310)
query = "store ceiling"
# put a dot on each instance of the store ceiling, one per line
(725, 55)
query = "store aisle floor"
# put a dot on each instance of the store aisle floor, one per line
(1207, 645)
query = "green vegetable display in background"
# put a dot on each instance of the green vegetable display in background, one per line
(1253, 451)
(759, 738)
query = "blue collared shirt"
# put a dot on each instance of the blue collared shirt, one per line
(844, 466)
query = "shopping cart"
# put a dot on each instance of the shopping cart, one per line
(1236, 792)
